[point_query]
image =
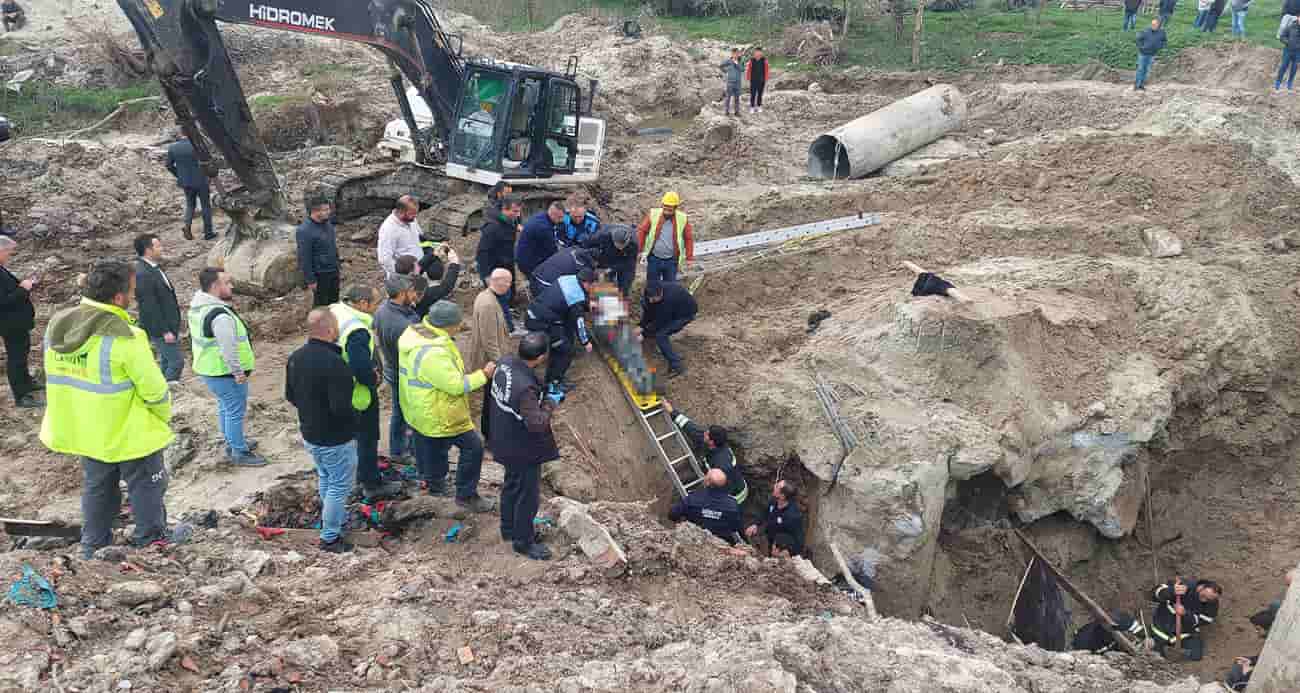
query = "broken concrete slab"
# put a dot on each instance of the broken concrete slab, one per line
(1161, 242)
(592, 537)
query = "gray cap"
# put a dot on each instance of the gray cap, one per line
(444, 314)
(396, 284)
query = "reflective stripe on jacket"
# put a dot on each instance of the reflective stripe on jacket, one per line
(207, 350)
(350, 320)
(432, 384)
(680, 223)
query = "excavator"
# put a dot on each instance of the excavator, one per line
(466, 123)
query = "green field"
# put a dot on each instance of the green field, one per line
(41, 108)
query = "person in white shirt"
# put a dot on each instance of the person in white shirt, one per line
(399, 234)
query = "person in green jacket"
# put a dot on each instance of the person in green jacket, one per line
(108, 403)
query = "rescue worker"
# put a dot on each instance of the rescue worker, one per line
(1238, 679)
(666, 309)
(1097, 638)
(613, 249)
(1200, 606)
(711, 507)
(567, 261)
(719, 455)
(580, 223)
(435, 388)
(521, 439)
(537, 242)
(666, 240)
(224, 359)
(355, 316)
(109, 404)
(783, 517)
(496, 248)
(558, 313)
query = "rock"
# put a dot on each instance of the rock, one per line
(253, 562)
(465, 655)
(79, 626)
(806, 570)
(160, 649)
(421, 507)
(27, 672)
(311, 653)
(1104, 179)
(1043, 182)
(124, 685)
(135, 639)
(110, 554)
(135, 593)
(293, 558)
(718, 133)
(591, 537)
(485, 618)
(1161, 242)
(815, 88)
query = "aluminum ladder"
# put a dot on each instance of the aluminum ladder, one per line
(677, 457)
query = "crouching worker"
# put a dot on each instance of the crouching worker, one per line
(1097, 638)
(108, 404)
(719, 455)
(711, 508)
(783, 523)
(1200, 606)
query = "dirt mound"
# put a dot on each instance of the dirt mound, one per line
(1233, 65)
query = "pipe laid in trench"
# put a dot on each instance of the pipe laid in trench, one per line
(867, 144)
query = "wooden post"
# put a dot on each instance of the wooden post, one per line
(868, 602)
(916, 32)
(1278, 670)
(1097, 612)
(1011, 615)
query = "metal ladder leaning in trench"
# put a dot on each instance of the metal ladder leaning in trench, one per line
(683, 468)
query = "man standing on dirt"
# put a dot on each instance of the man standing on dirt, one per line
(318, 253)
(757, 71)
(399, 234)
(184, 165)
(783, 517)
(711, 507)
(1290, 57)
(319, 384)
(666, 239)
(1199, 606)
(1149, 43)
(109, 405)
(223, 357)
(355, 316)
(391, 320)
(434, 387)
(1131, 8)
(732, 71)
(666, 309)
(496, 248)
(489, 339)
(160, 312)
(539, 241)
(521, 439)
(17, 320)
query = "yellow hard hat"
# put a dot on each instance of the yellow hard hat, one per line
(671, 199)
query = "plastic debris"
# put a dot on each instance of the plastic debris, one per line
(33, 590)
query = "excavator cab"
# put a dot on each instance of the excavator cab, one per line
(516, 123)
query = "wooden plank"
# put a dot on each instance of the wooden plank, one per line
(1011, 615)
(1097, 612)
(865, 593)
(39, 528)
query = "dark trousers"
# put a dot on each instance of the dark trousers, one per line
(368, 444)
(661, 269)
(756, 93)
(1211, 21)
(204, 199)
(146, 485)
(397, 429)
(1290, 59)
(1193, 647)
(327, 289)
(431, 458)
(623, 277)
(520, 497)
(18, 345)
(169, 357)
(663, 338)
(557, 365)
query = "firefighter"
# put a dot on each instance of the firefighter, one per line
(719, 455)
(711, 508)
(1199, 606)
(1097, 638)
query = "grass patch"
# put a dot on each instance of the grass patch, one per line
(263, 103)
(42, 107)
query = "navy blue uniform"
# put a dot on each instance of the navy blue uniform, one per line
(1197, 614)
(720, 457)
(521, 439)
(713, 509)
(558, 312)
(787, 520)
(667, 317)
(536, 243)
(575, 232)
(620, 263)
(567, 261)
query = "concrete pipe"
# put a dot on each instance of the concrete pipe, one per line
(867, 144)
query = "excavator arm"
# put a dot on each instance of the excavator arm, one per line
(186, 52)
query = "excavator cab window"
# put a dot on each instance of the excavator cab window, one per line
(484, 116)
(560, 135)
(525, 112)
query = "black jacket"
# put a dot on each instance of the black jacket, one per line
(319, 383)
(678, 304)
(496, 245)
(1197, 614)
(160, 313)
(318, 249)
(1168, 6)
(1132, 6)
(713, 509)
(714, 458)
(439, 291)
(185, 166)
(566, 261)
(1291, 7)
(1291, 36)
(17, 314)
(1150, 41)
(1237, 680)
(787, 520)
(520, 424)
(391, 320)
(609, 257)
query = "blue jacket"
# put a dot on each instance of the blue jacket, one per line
(571, 234)
(711, 508)
(1150, 41)
(562, 303)
(318, 250)
(185, 166)
(567, 261)
(678, 305)
(608, 256)
(536, 243)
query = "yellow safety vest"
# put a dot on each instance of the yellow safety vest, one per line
(432, 384)
(350, 320)
(207, 352)
(107, 400)
(679, 229)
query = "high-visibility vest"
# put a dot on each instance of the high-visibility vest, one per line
(679, 229)
(432, 384)
(107, 400)
(350, 320)
(207, 352)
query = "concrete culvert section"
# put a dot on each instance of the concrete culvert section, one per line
(859, 147)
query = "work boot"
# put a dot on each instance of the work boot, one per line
(674, 371)
(186, 233)
(535, 551)
(246, 459)
(336, 546)
(31, 402)
(566, 386)
(439, 490)
(476, 504)
(383, 490)
(209, 236)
